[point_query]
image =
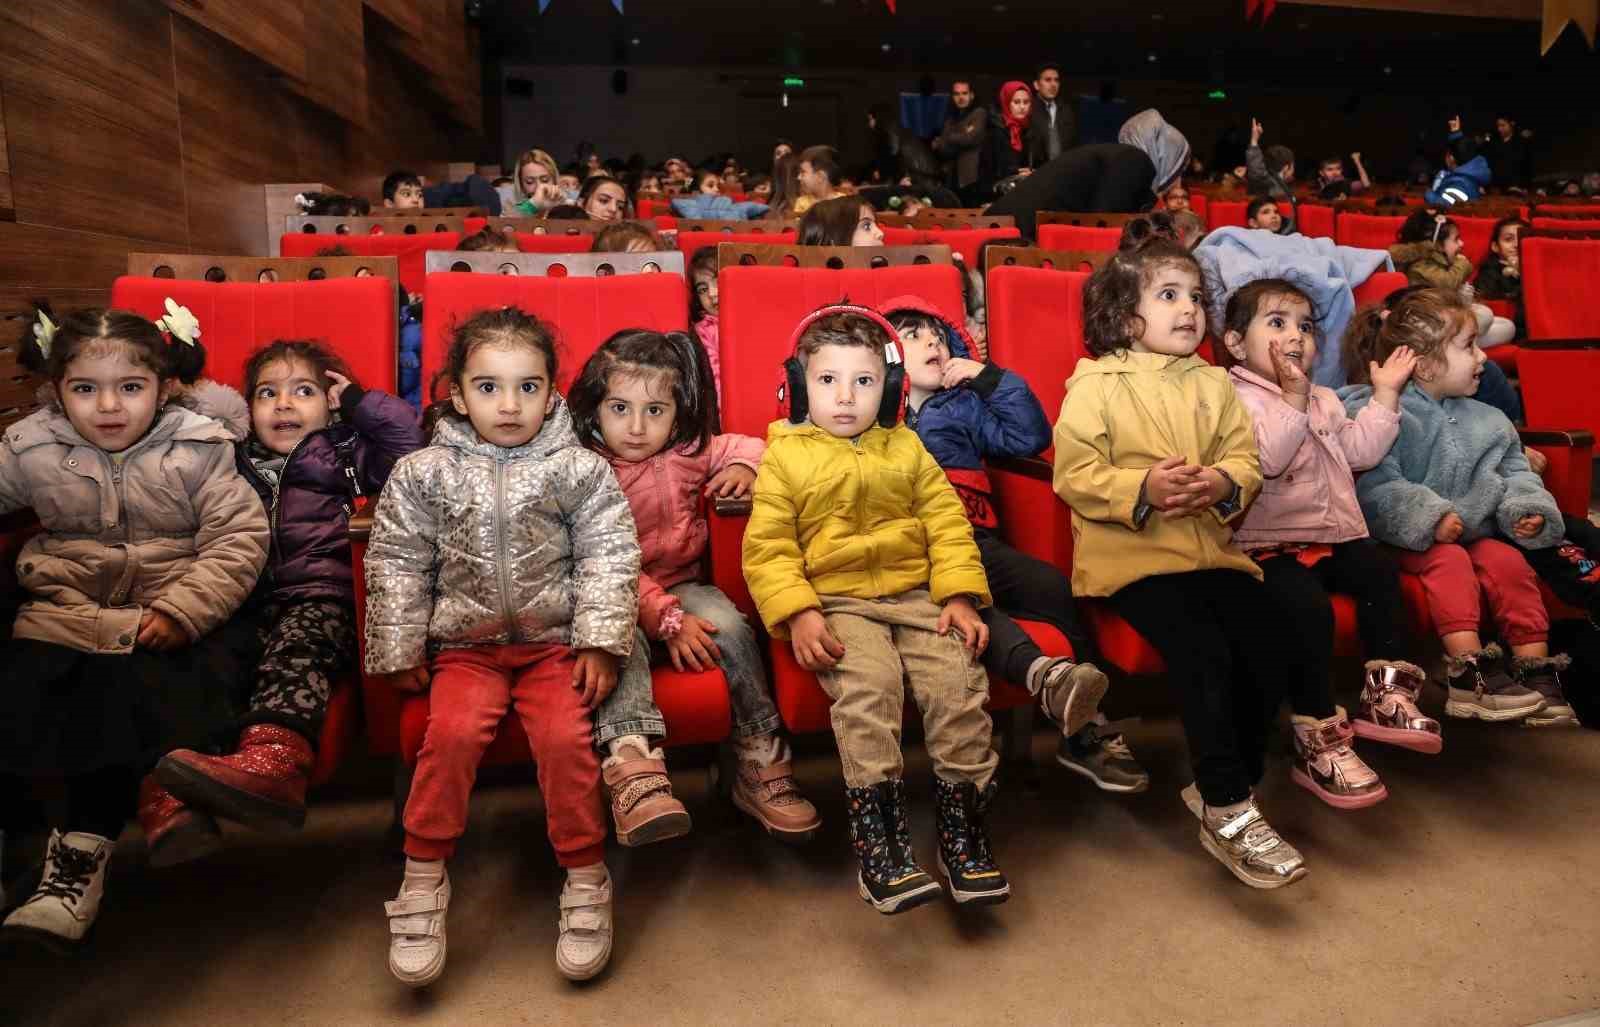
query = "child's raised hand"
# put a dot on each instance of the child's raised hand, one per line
(1529, 526)
(959, 613)
(958, 370)
(1355, 158)
(732, 482)
(414, 680)
(1170, 482)
(336, 390)
(692, 646)
(594, 675)
(1454, 124)
(1450, 528)
(1255, 132)
(1291, 377)
(160, 632)
(815, 648)
(1393, 373)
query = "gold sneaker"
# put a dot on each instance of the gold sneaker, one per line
(1247, 845)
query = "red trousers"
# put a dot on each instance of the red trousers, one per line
(1458, 578)
(470, 692)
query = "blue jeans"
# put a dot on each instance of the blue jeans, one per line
(631, 708)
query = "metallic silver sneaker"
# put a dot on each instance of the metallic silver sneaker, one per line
(1247, 845)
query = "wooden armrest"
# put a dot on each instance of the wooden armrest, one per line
(361, 526)
(1537, 344)
(1573, 437)
(724, 507)
(1027, 466)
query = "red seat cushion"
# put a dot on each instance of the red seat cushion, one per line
(410, 249)
(1226, 213)
(1367, 231)
(1378, 287)
(1315, 219)
(354, 316)
(1036, 328)
(1079, 238)
(896, 236)
(689, 242)
(528, 242)
(1476, 235)
(584, 311)
(340, 726)
(964, 243)
(1558, 281)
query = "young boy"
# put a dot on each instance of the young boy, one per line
(402, 189)
(1263, 213)
(1268, 173)
(819, 177)
(966, 412)
(859, 553)
(1331, 183)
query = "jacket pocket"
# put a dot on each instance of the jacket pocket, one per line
(1294, 500)
(73, 508)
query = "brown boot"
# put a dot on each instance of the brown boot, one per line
(173, 832)
(769, 794)
(262, 785)
(642, 803)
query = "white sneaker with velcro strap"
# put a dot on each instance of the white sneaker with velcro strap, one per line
(416, 933)
(584, 946)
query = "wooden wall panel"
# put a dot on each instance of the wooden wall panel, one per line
(274, 33)
(403, 15)
(7, 211)
(336, 67)
(48, 259)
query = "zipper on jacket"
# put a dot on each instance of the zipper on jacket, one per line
(504, 555)
(277, 491)
(861, 514)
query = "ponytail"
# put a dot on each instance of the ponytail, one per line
(1361, 342)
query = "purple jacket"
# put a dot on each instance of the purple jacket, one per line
(310, 511)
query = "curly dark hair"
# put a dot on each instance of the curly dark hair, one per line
(676, 356)
(1111, 319)
(313, 354)
(94, 327)
(1242, 308)
(503, 326)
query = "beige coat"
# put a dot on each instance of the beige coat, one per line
(171, 526)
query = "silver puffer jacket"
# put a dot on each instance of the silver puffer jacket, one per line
(473, 544)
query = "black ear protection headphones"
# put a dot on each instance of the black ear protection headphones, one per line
(792, 389)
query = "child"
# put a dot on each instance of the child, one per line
(489, 240)
(644, 402)
(1465, 174)
(1263, 213)
(966, 413)
(705, 200)
(627, 237)
(1500, 276)
(403, 190)
(1331, 182)
(1307, 533)
(818, 176)
(1268, 173)
(151, 541)
(855, 543)
(503, 571)
(843, 221)
(703, 309)
(1176, 198)
(758, 188)
(317, 440)
(1157, 457)
(1428, 250)
(1456, 499)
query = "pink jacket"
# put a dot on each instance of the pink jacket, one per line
(708, 330)
(1307, 461)
(665, 493)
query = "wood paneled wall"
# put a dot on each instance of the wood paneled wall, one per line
(154, 124)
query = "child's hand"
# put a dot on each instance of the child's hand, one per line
(732, 482)
(958, 370)
(414, 680)
(1355, 158)
(1170, 482)
(814, 645)
(336, 390)
(959, 613)
(1392, 374)
(1454, 124)
(1537, 461)
(1291, 377)
(1215, 487)
(594, 675)
(1255, 132)
(692, 645)
(1449, 528)
(1529, 526)
(160, 632)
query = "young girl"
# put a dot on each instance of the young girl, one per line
(1500, 277)
(644, 402)
(1307, 533)
(151, 541)
(1456, 498)
(317, 441)
(703, 309)
(841, 221)
(627, 237)
(1429, 252)
(705, 199)
(1157, 458)
(503, 571)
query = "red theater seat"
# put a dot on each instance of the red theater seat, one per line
(1226, 213)
(411, 250)
(964, 243)
(1315, 219)
(1558, 281)
(1476, 235)
(1079, 238)
(1567, 224)
(1367, 231)
(528, 242)
(689, 242)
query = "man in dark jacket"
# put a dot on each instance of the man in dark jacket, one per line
(1508, 154)
(963, 144)
(1051, 128)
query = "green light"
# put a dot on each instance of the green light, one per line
(1216, 94)
(794, 83)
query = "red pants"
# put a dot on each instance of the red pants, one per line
(471, 689)
(1457, 578)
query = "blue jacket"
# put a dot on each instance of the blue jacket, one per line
(709, 207)
(1463, 185)
(1453, 455)
(992, 416)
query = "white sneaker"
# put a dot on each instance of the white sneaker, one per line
(416, 926)
(64, 907)
(584, 947)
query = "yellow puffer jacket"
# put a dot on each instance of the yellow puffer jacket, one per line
(1123, 414)
(865, 517)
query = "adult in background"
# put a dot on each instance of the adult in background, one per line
(1051, 127)
(963, 144)
(1122, 177)
(897, 153)
(1510, 157)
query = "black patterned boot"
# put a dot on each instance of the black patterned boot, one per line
(964, 857)
(890, 879)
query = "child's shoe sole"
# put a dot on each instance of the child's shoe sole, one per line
(1104, 784)
(973, 898)
(573, 972)
(671, 824)
(1464, 710)
(901, 902)
(33, 937)
(1416, 741)
(1305, 781)
(788, 836)
(1191, 799)
(203, 792)
(1083, 702)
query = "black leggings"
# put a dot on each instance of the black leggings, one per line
(1221, 639)
(99, 802)
(1358, 569)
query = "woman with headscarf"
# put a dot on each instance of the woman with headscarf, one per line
(1011, 155)
(1124, 177)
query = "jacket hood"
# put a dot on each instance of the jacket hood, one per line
(1129, 362)
(961, 344)
(1476, 169)
(1166, 147)
(1412, 252)
(554, 435)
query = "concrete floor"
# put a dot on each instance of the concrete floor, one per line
(1469, 897)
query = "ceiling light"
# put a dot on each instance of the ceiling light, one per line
(884, 48)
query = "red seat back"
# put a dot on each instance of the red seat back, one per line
(1378, 287)
(584, 311)
(354, 316)
(759, 308)
(1226, 213)
(1036, 328)
(410, 249)
(964, 243)
(1315, 219)
(689, 242)
(1476, 235)
(1558, 281)
(1567, 224)
(528, 242)
(896, 236)
(1368, 231)
(1079, 238)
